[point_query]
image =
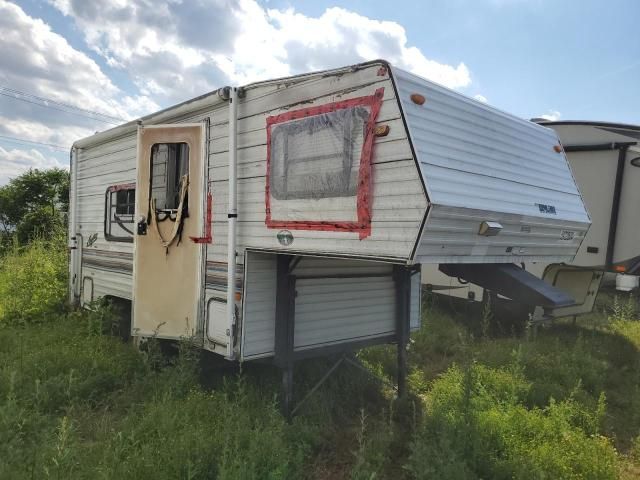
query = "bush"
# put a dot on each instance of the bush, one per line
(477, 426)
(41, 223)
(33, 281)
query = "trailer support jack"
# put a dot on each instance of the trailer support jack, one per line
(285, 334)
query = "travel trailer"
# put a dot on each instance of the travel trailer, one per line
(605, 160)
(290, 217)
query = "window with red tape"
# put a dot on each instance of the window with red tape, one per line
(319, 166)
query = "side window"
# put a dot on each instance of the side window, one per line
(169, 166)
(119, 213)
(318, 156)
(319, 166)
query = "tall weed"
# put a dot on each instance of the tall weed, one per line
(478, 426)
(33, 281)
(623, 310)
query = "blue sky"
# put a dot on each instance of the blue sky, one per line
(562, 59)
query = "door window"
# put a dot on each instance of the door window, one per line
(169, 166)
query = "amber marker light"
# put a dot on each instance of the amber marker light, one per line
(418, 99)
(620, 268)
(381, 130)
(557, 148)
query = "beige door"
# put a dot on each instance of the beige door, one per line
(167, 273)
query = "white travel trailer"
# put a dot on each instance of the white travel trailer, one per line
(605, 160)
(290, 217)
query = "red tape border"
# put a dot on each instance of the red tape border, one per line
(364, 197)
(208, 237)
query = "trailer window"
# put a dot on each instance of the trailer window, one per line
(119, 213)
(317, 156)
(319, 166)
(169, 164)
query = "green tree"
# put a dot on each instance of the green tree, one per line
(34, 203)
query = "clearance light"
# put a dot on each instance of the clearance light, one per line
(620, 268)
(381, 131)
(489, 229)
(418, 99)
(557, 148)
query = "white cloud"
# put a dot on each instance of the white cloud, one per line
(173, 50)
(40, 62)
(480, 98)
(178, 49)
(35, 131)
(551, 115)
(339, 37)
(17, 161)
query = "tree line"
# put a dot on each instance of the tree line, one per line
(34, 204)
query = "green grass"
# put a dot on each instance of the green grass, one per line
(487, 400)
(75, 404)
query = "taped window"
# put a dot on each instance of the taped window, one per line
(169, 164)
(318, 156)
(119, 211)
(319, 166)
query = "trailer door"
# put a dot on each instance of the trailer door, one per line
(168, 247)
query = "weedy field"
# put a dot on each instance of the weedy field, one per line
(488, 399)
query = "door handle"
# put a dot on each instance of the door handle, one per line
(142, 226)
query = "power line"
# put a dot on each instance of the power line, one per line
(56, 105)
(58, 109)
(24, 141)
(62, 104)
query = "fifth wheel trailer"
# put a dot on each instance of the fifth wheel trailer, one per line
(290, 217)
(605, 160)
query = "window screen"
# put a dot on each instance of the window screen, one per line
(319, 166)
(317, 156)
(169, 163)
(119, 211)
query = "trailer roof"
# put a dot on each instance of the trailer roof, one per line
(590, 123)
(209, 98)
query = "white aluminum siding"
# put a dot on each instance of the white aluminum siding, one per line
(478, 164)
(328, 311)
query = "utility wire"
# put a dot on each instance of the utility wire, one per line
(60, 106)
(24, 141)
(58, 109)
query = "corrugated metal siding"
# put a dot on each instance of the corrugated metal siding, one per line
(109, 264)
(399, 203)
(479, 163)
(106, 283)
(259, 306)
(451, 235)
(336, 310)
(328, 310)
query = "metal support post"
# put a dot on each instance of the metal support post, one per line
(285, 328)
(402, 277)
